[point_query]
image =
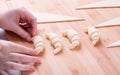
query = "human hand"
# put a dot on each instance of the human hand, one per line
(13, 56)
(11, 20)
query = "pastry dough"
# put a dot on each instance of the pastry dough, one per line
(55, 42)
(93, 34)
(74, 37)
(54, 18)
(101, 4)
(39, 43)
(109, 23)
(115, 44)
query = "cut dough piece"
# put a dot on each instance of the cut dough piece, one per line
(39, 43)
(101, 4)
(55, 42)
(93, 34)
(54, 18)
(113, 22)
(74, 37)
(115, 44)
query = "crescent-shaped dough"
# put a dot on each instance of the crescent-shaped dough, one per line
(93, 34)
(39, 43)
(55, 42)
(74, 37)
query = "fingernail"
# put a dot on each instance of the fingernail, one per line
(35, 52)
(32, 68)
(38, 61)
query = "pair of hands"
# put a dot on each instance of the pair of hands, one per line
(14, 56)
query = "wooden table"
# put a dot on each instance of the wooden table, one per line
(88, 60)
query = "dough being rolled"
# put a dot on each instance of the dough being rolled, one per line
(39, 43)
(93, 34)
(74, 37)
(55, 42)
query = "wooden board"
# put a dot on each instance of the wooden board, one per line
(102, 4)
(110, 23)
(88, 60)
(54, 18)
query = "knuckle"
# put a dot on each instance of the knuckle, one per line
(16, 58)
(21, 58)
(10, 66)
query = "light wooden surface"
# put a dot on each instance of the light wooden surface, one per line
(101, 5)
(88, 60)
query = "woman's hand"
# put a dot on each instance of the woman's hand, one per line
(13, 56)
(11, 20)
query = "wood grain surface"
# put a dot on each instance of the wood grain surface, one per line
(88, 60)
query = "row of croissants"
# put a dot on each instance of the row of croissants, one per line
(71, 34)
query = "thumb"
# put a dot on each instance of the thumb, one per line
(21, 32)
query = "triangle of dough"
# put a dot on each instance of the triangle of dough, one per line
(102, 4)
(113, 22)
(54, 18)
(115, 44)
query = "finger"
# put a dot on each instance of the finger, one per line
(21, 32)
(3, 72)
(18, 66)
(23, 50)
(27, 27)
(31, 20)
(24, 58)
(34, 27)
(29, 30)
(31, 27)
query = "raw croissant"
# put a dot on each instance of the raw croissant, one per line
(74, 37)
(93, 34)
(55, 42)
(39, 43)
